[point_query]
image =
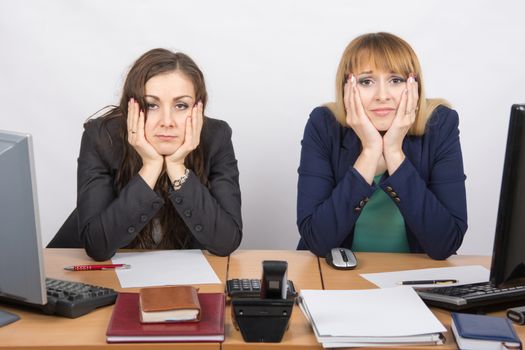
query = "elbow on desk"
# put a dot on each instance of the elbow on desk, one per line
(448, 245)
(98, 255)
(440, 255)
(318, 245)
(96, 251)
(226, 248)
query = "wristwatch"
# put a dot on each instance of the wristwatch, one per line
(177, 183)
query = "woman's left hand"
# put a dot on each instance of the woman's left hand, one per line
(404, 119)
(192, 136)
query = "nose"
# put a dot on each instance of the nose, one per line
(168, 118)
(382, 92)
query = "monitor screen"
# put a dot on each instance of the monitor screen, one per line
(22, 274)
(508, 258)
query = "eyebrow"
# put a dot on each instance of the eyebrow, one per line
(371, 72)
(174, 99)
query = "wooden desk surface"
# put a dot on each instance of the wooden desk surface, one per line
(35, 330)
(303, 270)
(383, 262)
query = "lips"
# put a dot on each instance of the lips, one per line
(382, 111)
(166, 137)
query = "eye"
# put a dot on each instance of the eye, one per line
(151, 106)
(365, 81)
(397, 80)
(181, 106)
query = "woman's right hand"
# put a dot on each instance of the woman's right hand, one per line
(357, 119)
(152, 161)
(371, 140)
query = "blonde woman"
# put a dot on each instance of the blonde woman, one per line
(381, 167)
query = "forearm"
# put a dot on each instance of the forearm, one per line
(438, 224)
(214, 219)
(394, 158)
(366, 164)
(326, 216)
(107, 223)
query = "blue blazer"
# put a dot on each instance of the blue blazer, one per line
(428, 187)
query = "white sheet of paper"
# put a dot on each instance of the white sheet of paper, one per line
(372, 313)
(463, 274)
(164, 267)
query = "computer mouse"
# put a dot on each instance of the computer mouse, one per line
(341, 258)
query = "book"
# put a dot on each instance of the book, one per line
(169, 304)
(125, 326)
(372, 317)
(481, 332)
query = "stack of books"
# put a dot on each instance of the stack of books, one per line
(130, 324)
(374, 317)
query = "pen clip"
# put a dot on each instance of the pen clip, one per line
(122, 267)
(446, 282)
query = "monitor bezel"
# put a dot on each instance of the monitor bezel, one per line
(506, 205)
(22, 145)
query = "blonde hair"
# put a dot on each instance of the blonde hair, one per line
(383, 51)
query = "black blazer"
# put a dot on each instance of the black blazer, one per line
(107, 221)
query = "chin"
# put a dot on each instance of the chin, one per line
(166, 150)
(382, 125)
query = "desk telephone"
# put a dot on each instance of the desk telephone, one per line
(261, 309)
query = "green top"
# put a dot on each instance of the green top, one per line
(380, 227)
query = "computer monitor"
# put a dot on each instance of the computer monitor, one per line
(508, 258)
(22, 276)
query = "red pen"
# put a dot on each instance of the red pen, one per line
(96, 267)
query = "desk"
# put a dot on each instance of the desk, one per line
(303, 270)
(38, 331)
(383, 262)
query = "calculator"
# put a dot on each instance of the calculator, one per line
(251, 288)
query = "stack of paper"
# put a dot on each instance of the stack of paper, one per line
(373, 317)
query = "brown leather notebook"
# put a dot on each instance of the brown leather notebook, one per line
(169, 304)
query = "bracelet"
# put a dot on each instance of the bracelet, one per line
(177, 183)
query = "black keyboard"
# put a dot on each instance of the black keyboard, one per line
(74, 299)
(70, 299)
(471, 295)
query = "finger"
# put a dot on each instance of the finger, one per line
(188, 132)
(140, 133)
(130, 121)
(193, 122)
(359, 109)
(136, 115)
(199, 119)
(410, 96)
(415, 94)
(346, 94)
(402, 109)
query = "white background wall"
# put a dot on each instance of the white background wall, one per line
(267, 65)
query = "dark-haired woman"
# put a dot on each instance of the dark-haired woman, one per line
(154, 172)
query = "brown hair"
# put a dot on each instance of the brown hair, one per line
(388, 52)
(152, 63)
